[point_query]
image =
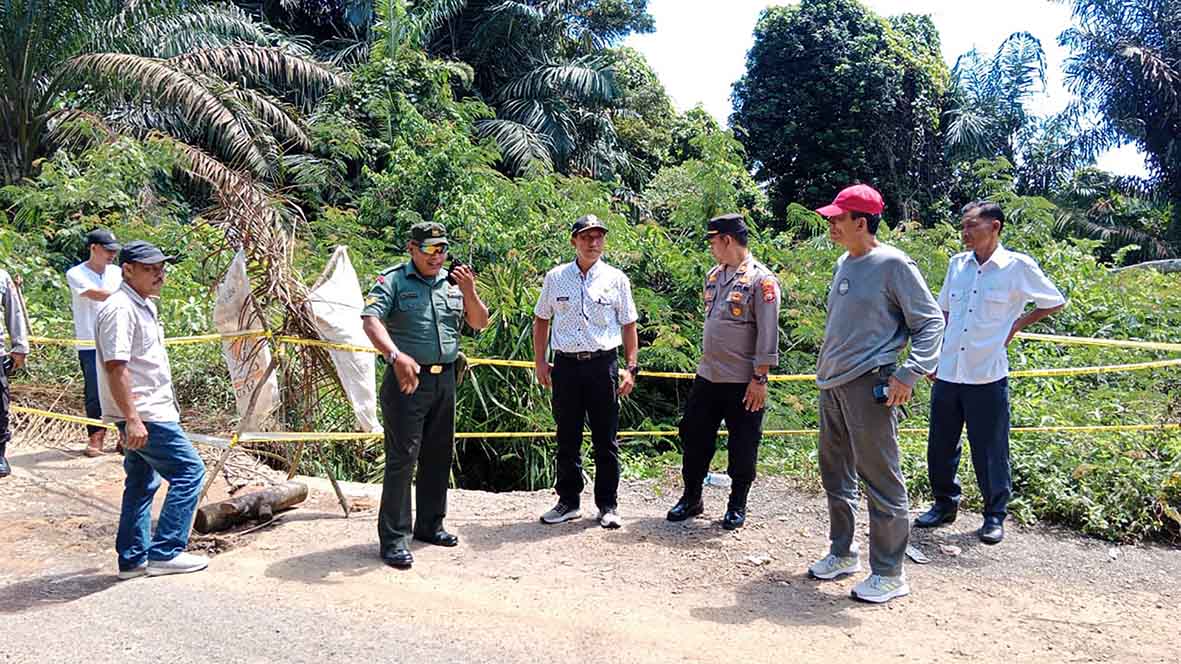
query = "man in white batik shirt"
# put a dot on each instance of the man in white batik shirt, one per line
(585, 313)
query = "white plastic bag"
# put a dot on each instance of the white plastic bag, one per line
(246, 357)
(336, 303)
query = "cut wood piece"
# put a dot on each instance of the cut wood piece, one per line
(260, 505)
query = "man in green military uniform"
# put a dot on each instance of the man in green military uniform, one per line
(413, 317)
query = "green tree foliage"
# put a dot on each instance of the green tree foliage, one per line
(644, 117)
(543, 65)
(204, 74)
(1125, 65)
(834, 94)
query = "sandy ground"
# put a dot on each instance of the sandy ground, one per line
(310, 587)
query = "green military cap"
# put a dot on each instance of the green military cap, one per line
(427, 233)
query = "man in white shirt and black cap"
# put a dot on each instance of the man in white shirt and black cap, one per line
(585, 313)
(91, 282)
(983, 300)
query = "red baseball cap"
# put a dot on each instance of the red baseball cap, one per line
(858, 198)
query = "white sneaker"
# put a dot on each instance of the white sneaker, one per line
(609, 518)
(879, 589)
(560, 513)
(125, 574)
(183, 563)
(832, 566)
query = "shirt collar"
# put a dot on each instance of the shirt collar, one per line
(136, 298)
(594, 269)
(1000, 257)
(412, 270)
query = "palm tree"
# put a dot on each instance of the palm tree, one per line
(203, 75)
(988, 96)
(545, 69)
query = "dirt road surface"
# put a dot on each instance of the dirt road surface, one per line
(310, 587)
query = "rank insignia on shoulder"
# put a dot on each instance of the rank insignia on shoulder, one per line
(713, 277)
(381, 278)
(736, 311)
(735, 296)
(370, 301)
(768, 291)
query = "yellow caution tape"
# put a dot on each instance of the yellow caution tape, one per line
(62, 416)
(778, 378)
(313, 436)
(1091, 341)
(1108, 368)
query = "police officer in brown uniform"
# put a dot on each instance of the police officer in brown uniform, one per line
(739, 347)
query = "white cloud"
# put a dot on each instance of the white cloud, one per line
(699, 47)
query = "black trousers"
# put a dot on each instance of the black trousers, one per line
(5, 399)
(419, 430)
(985, 409)
(587, 391)
(87, 359)
(709, 404)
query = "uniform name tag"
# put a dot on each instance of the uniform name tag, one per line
(408, 295)
(563, 299)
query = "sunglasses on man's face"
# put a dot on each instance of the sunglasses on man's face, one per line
(433, 249)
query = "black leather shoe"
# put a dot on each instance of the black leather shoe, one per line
(992, 532)
(734, 519)
(5, 471)
(936, 516)
(685, 509)
(398, 557)
(441, 538)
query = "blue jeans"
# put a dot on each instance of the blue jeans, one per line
(94, 410)
(168, 454)
(985, 410)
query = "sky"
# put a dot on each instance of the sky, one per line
(699, 47)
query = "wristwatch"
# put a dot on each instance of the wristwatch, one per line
(634, 370)
(392, 357)
(761, 379)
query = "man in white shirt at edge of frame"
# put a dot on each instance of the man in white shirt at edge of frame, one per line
(91, 282)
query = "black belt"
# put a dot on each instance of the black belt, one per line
(585, 355)
(434, 368)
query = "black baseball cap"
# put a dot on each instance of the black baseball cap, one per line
(141, 251)
(103, 238)
(727, 223)
(585, 223)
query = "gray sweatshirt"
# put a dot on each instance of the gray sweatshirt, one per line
(875, 303)
(14, 317)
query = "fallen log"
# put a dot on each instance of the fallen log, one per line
(259, 506)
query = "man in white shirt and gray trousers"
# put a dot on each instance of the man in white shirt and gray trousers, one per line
(983, 300)
(135, 388)
(876, 303)
(590, 306)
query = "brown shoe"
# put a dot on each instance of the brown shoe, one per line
(92, 451)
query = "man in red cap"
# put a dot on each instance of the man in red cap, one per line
(877, 302)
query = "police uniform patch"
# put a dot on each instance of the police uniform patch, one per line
(713, 277)
(736, 311)
(843, 287)
(768, 291)
(744, 279)
(370, 301)
(381, 278)
(735, 296)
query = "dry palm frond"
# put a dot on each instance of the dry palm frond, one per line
(171, 87)
(256, 66)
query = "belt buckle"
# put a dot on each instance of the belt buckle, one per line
(436, 368)
(584, 356)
